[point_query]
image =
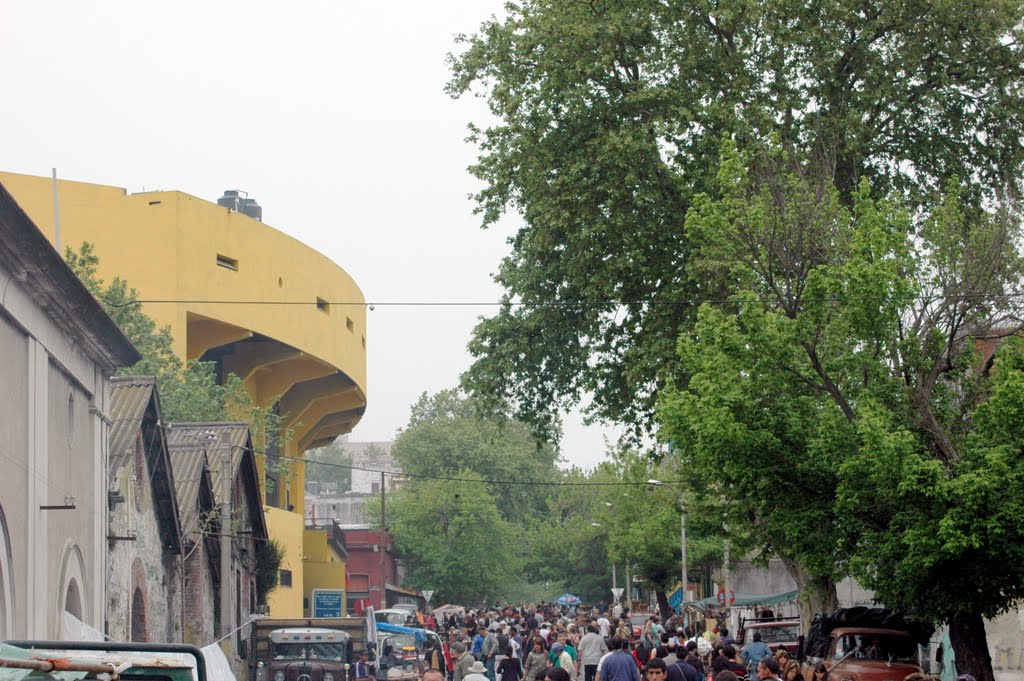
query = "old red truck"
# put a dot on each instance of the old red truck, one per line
(865, 644)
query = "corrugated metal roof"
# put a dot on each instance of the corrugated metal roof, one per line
(135, 411)
(211, 437)
(129, 399)
(191, 474)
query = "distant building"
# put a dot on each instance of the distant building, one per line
(57, 350)
(368, 458)
(326, 563)
(369, 573)
(326, 505)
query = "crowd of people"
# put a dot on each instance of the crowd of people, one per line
(552, 643)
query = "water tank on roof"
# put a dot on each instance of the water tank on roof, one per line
(233, 200)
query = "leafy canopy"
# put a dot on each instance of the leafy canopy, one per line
(839, 404)
(447, 434)
(608, 116)
(462, 548)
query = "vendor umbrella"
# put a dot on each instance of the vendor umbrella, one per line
(567, 599)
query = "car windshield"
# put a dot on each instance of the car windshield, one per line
(786, 633)
(334, 652)
(401, 643)
(876, 647)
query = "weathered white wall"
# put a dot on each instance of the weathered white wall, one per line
(50, 549)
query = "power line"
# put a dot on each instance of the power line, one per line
(538, 483)
(691, 302)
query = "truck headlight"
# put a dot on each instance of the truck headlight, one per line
(279, 676)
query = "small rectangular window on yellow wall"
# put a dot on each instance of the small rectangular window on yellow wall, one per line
(227, 263)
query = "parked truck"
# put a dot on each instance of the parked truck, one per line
(309, 649)
(776, 632)
(865, 644)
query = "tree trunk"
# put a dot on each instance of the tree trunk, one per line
(663, 607)
(817, 593)
(970, 646)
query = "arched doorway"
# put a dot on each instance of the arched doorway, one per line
(73, 599)
(6, 583)
(138, 632)
(74, 594)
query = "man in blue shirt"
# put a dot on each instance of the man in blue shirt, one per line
(681, 670)
(478, 643)
(753, 653)
(619, 665)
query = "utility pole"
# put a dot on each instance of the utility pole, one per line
(629, 588)
(725, 574)
(227, 587)
(56, 214)
(383, 543)
(682, 541)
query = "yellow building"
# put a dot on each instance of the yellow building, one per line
(230, 283)
(324, 564)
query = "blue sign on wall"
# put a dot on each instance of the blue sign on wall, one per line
(328, 603)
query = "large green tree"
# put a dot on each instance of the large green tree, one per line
(455, 540)
(643, 522)
(448, 433)
(606, 122)
(840, 403)
(567, 545)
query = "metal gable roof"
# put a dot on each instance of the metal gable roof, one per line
(211, 438)
(135, 412)
(193, 486)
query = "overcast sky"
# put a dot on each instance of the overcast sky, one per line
(331, 114)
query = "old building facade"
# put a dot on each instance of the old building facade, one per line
(57, 349)
(144, 536)
(233, 476)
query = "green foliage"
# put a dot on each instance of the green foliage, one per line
(565, 535)
(269, 557)
(463, 549)
(564, 547)
(608, 117)
(447, 433)
(839, 406)
(643, 521)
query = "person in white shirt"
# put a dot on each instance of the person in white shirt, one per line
(605, 626)
(589, 651)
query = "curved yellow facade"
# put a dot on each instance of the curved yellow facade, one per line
(266, 307)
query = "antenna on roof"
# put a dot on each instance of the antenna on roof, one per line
(56, 212)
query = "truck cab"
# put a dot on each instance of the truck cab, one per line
(865, 644)
(868, 654)
(308, 654)
(776, 632)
